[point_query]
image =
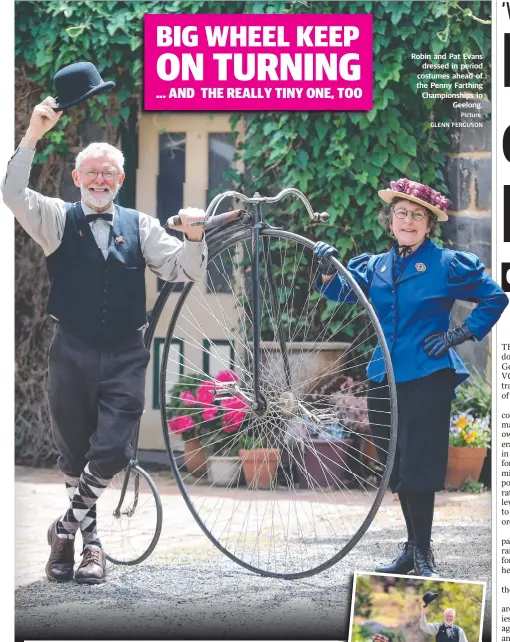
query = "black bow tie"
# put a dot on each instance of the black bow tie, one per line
(404, 250)
(104, 215)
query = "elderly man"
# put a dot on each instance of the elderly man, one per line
(96, 253)
(446, 631)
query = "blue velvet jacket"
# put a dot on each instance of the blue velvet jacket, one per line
(419, 303)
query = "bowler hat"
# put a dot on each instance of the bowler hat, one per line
(429, 597)
(77, 82)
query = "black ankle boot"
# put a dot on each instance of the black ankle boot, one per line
(403, 563)
(424, 563)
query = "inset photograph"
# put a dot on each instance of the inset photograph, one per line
(397, 608)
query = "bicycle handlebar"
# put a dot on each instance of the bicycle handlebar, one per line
(256, 198)
(212, 220)
(216, 221)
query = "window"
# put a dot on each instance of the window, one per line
(175, 366)
(220, 158)
(218, 355)
(171, 178)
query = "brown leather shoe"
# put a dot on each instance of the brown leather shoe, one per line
(92, 569)
(60, 566)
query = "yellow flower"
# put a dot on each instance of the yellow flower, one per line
(461, 422)
(471, 437)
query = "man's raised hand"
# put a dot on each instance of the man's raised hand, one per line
(43, 118)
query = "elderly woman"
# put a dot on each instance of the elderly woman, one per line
(413, 288)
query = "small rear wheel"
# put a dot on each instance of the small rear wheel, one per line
(129, 517)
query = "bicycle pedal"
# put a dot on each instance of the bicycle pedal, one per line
(224, 390)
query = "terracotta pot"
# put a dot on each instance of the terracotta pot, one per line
(464, 462)
(369, 449)
(195, 457)
(259, 467)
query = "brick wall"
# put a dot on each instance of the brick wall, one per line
(468, 176)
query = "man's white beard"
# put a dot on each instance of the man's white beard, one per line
(96, 199)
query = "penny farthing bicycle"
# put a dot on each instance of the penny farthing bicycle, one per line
(305, 469)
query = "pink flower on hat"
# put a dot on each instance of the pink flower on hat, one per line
(445, 203)
(400, 186)
(423, 192)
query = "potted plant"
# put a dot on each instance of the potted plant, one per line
(184, 417)
(259, 462)
(470, 432)
(340, 452)
(327, 458)
(475, 398)
(469, 439)
(223, 442)
(205, 424)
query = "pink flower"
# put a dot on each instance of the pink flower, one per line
(400, 186)
(181, 424)
(234, 403)
(210, 413)
(205, 394)
(445, 203)
(226, 375)
(426, 193)
(232, 420)
(188, 397)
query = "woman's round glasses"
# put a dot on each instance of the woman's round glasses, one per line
(418, 215)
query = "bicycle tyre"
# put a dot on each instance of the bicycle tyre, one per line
(132, 475)
(221, 243)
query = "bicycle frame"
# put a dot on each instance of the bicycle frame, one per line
(259, 405)
(224, 231)
(258, 223)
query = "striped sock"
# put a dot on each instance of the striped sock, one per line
(88, 526)
(82, 512)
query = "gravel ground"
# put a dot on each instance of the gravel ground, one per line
(203, 595)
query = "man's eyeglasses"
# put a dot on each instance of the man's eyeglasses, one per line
(418, 215)
(107, 175)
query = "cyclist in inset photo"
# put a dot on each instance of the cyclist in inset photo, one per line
(412, 288)
(445, 631)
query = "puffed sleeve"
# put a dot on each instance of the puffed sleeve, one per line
(337, 289)
(468, 281)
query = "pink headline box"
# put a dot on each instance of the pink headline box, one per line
(257, 62)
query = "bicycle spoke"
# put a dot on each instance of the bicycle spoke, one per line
(318, 482)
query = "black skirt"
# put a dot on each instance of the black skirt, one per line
(424, 407)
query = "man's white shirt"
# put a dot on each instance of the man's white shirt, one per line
(44, 218)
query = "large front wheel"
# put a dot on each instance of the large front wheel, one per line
(311, 470)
